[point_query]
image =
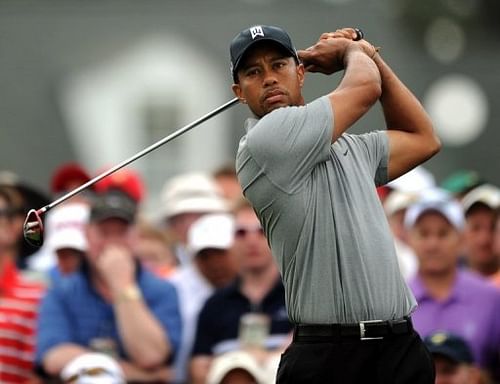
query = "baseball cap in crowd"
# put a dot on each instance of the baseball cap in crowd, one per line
(191, 193)
(68, 176)
(450, 346)
(416, 180)
(437, 200)
(125, 180)
(227, 362)
(398, 200)
(248, 37)
(93, 368)
(113, 204)
(486, 194)
(461, 181)
(211, 231)
(65, 227)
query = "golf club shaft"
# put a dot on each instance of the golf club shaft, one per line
(139, 155)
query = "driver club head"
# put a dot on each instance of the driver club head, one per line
(33, 228)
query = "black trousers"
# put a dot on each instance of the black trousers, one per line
(401, 359)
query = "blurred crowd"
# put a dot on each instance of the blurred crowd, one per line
(193, 295)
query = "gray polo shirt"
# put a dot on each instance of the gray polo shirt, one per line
(325, 224)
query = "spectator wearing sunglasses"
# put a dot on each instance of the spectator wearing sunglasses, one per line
(19, 300)
(249, 314)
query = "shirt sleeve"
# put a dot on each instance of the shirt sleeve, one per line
(288, 142)
(376, 151)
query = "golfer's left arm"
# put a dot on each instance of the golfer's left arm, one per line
(412, 139)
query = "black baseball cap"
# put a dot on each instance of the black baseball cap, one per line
(113, 204)
(449, 345)
(248, 37)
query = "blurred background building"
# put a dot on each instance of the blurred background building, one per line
(97, 81)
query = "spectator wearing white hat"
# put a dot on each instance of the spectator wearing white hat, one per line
(61, 253)
(395, 206)
(69, 245)
(185, 198)
(450, 297)
(210, 239)
(496, 249)
(249, 313)
(480, 206)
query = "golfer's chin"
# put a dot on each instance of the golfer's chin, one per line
(269, 107)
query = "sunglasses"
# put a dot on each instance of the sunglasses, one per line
(243, 231)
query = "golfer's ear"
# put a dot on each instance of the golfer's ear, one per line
(301, 74)
(237, 92)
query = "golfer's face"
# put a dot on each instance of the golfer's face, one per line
(269, 79)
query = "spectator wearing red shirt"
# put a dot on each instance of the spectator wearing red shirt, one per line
(18, 306)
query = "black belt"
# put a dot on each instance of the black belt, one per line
(364, 330)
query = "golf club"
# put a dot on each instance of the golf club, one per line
(33, 224)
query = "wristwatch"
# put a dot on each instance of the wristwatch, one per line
(130, 293)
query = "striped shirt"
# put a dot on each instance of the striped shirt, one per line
(18, 316)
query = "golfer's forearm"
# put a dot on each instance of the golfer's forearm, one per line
(361, 72)
(143, 337)
(359, 89)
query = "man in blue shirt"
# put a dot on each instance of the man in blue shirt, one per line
(111, 305)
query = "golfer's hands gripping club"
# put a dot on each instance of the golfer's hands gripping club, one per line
(327, 55)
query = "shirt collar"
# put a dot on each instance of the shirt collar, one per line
(250, 123)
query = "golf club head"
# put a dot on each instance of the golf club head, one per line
(33, 228)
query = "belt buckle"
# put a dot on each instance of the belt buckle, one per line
(362, 330)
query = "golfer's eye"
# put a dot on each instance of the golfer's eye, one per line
(254, 71)
(280, 64)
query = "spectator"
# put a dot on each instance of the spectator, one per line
(250, 312)
(93, 368)
(449, 297)
(19, 300)
(186, 198)
(66, 178)
(209, 239)
(480, 206)
(460, 182)
(69, 244)
(496, 249)
(125, 180)
(227, 180)
(111, 305)
(154, 250)
(24, 197)
(66, 242)
(453, 359)
(395, 205)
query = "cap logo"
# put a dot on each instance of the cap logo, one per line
(256, 31)
(439, 338)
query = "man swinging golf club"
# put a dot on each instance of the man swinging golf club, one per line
(313, 187)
